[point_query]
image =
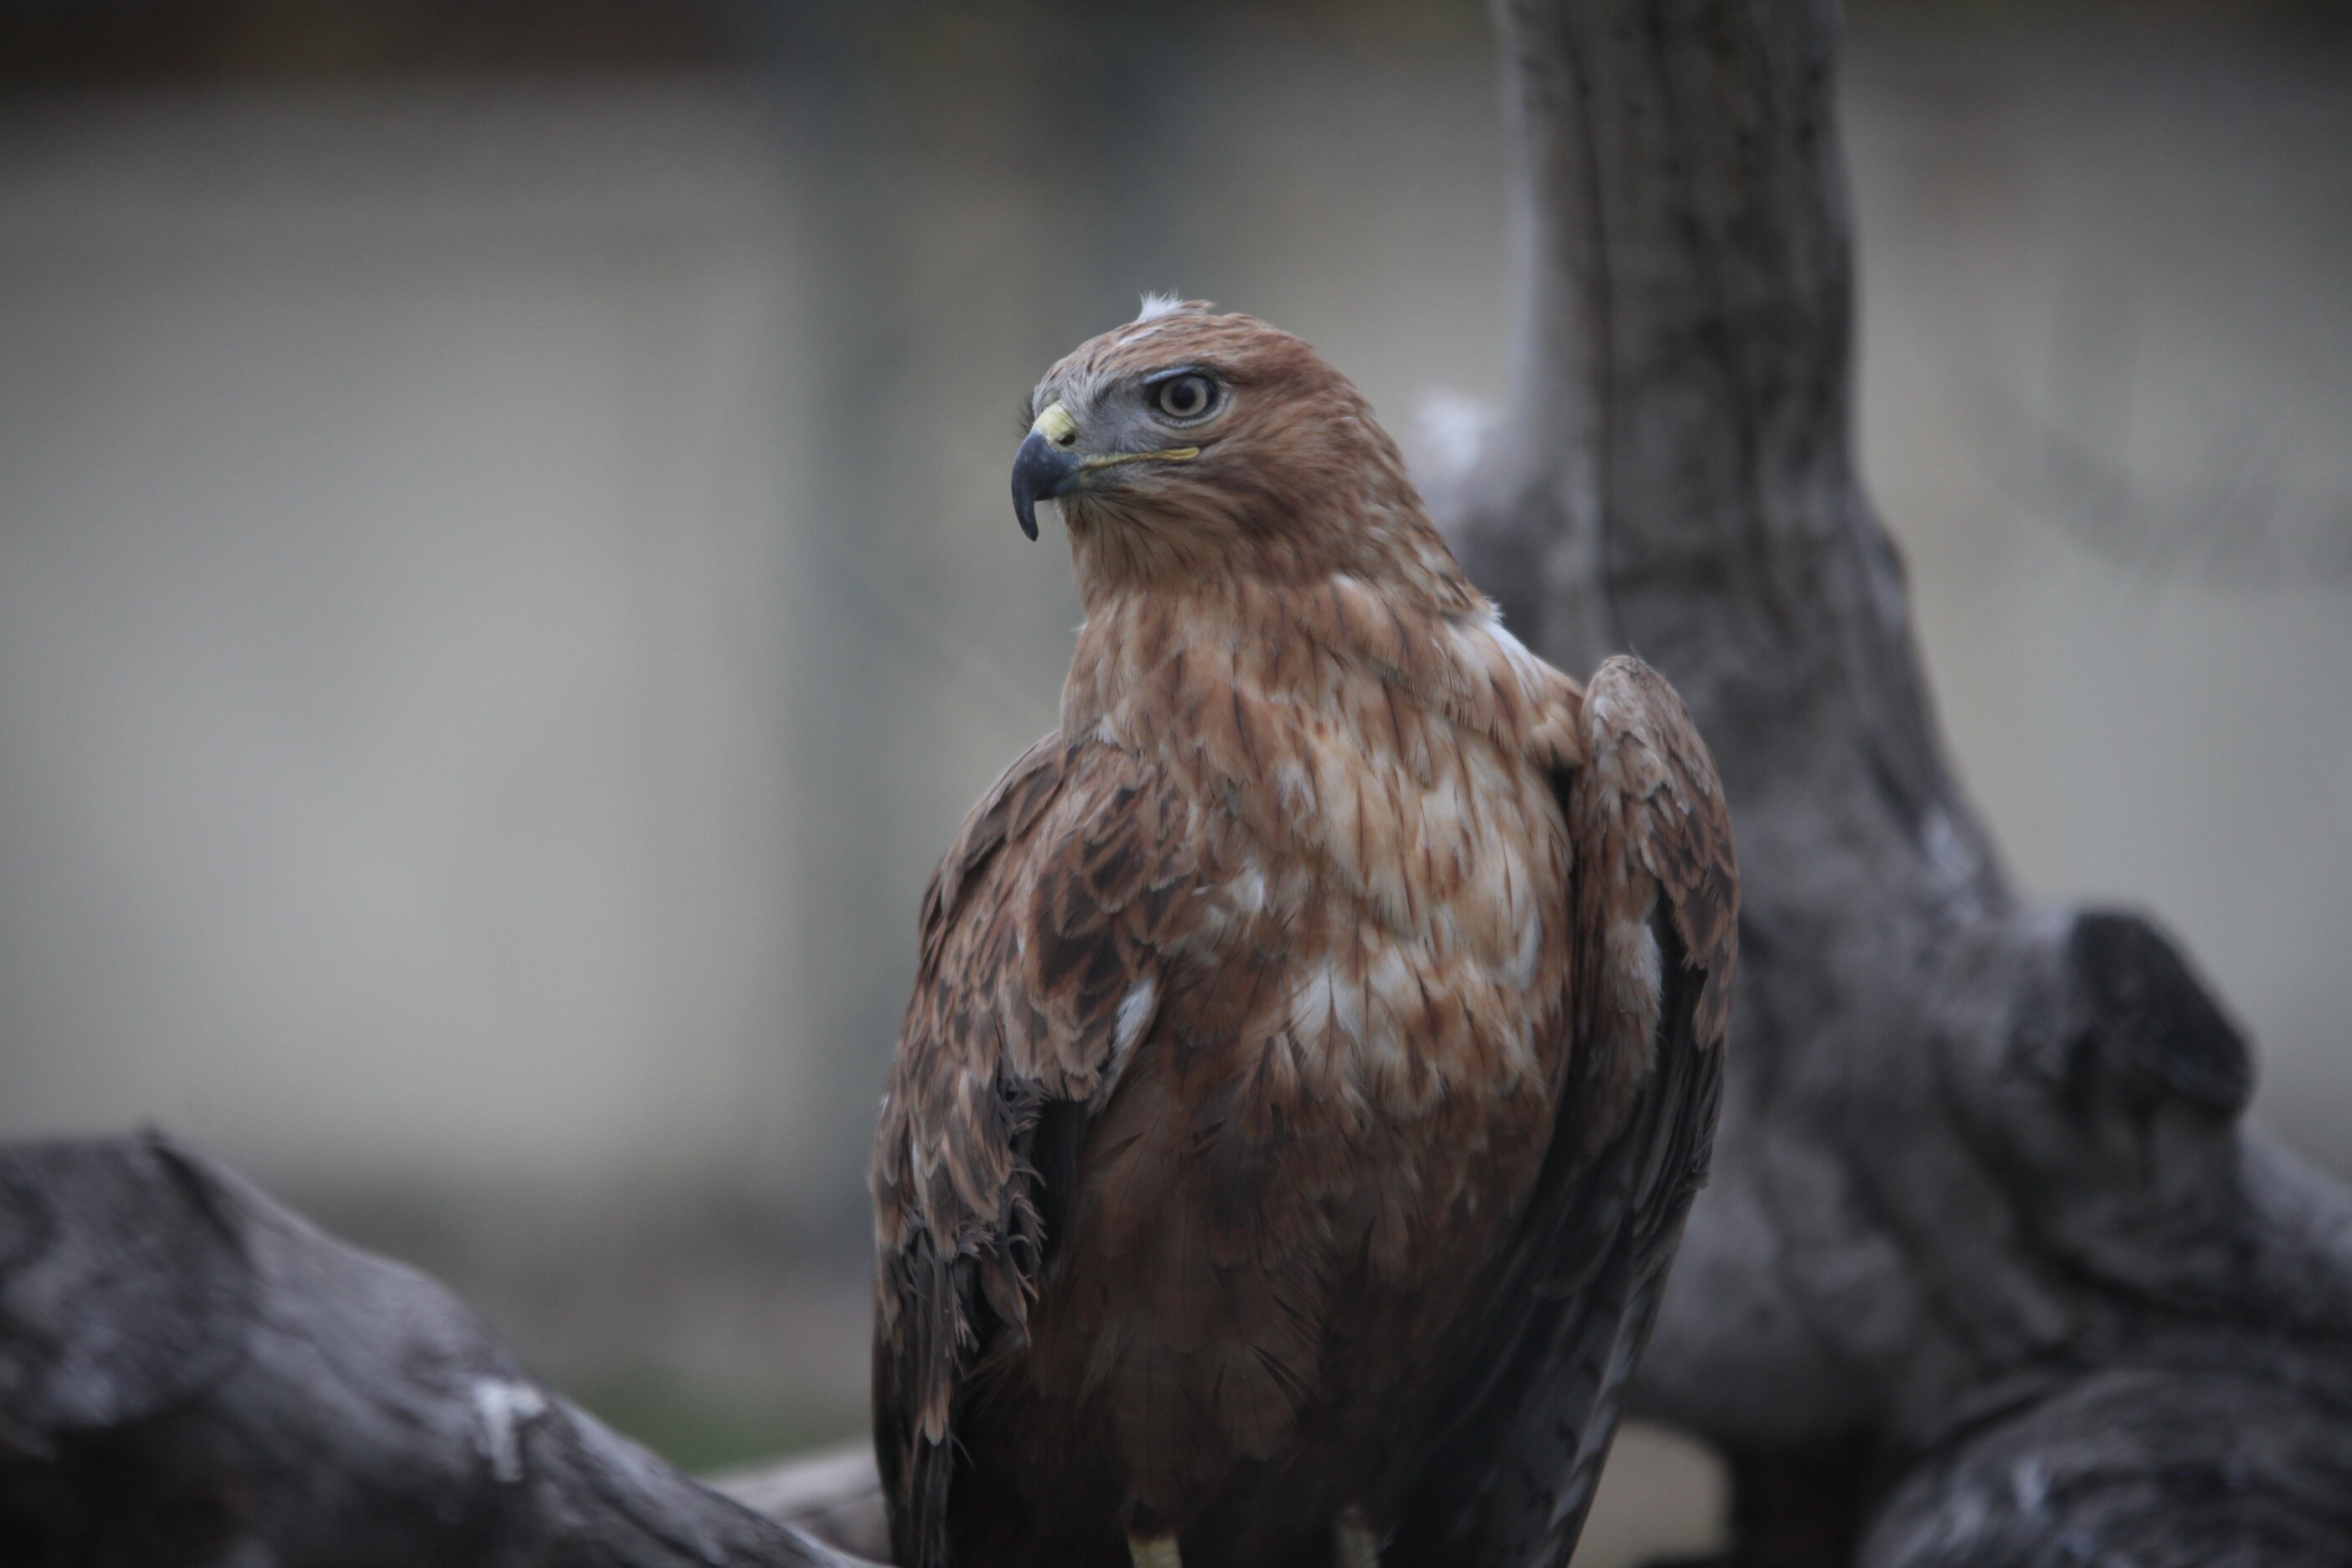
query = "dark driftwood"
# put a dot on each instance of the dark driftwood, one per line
(189, 1373)
(1990, 1270)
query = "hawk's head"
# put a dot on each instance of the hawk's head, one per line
(1188, 441)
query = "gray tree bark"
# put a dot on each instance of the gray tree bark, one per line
(1990, 1271)
(191, 1375)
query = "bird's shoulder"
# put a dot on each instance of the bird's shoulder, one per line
(1043, 935)
(1005, 812)
(1656, 861)
(1066, 884)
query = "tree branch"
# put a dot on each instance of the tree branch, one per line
(188, 1372)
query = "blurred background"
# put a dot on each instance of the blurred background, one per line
(507, 584)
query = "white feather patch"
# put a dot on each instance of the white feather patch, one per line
(1636, 970)
(1156, 305)
(1135, 1012)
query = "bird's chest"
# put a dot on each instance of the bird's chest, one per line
(1348, 1082)
(1393, 887)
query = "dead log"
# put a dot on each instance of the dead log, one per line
(1990, 1270)
(190, 1373)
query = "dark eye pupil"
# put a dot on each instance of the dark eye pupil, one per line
(1184, 396)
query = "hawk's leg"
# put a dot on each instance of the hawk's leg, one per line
(1353, 1544)
(1154, 1552)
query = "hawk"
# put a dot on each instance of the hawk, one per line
(1317, 1038)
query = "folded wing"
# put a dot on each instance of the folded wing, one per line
(1042, 935)
(1506, 1474)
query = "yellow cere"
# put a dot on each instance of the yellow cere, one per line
(1057, 425)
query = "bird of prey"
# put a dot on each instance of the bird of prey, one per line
(1317, 1038)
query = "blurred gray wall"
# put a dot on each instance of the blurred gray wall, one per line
(504, 591)
(392, 493)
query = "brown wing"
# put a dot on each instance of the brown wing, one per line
(1042, 932)
(1507, 1472)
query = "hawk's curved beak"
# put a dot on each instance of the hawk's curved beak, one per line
(1046, 466)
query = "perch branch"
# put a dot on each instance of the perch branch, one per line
(191, 1373)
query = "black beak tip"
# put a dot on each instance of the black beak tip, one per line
(1040, 472)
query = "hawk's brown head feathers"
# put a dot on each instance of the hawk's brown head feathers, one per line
(1189, 444)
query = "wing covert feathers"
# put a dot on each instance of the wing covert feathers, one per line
(1653, 840)
(1040, 933)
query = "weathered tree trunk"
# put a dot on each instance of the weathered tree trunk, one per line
(1989, 1270)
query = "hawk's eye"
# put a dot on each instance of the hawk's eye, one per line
(1186, 397)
